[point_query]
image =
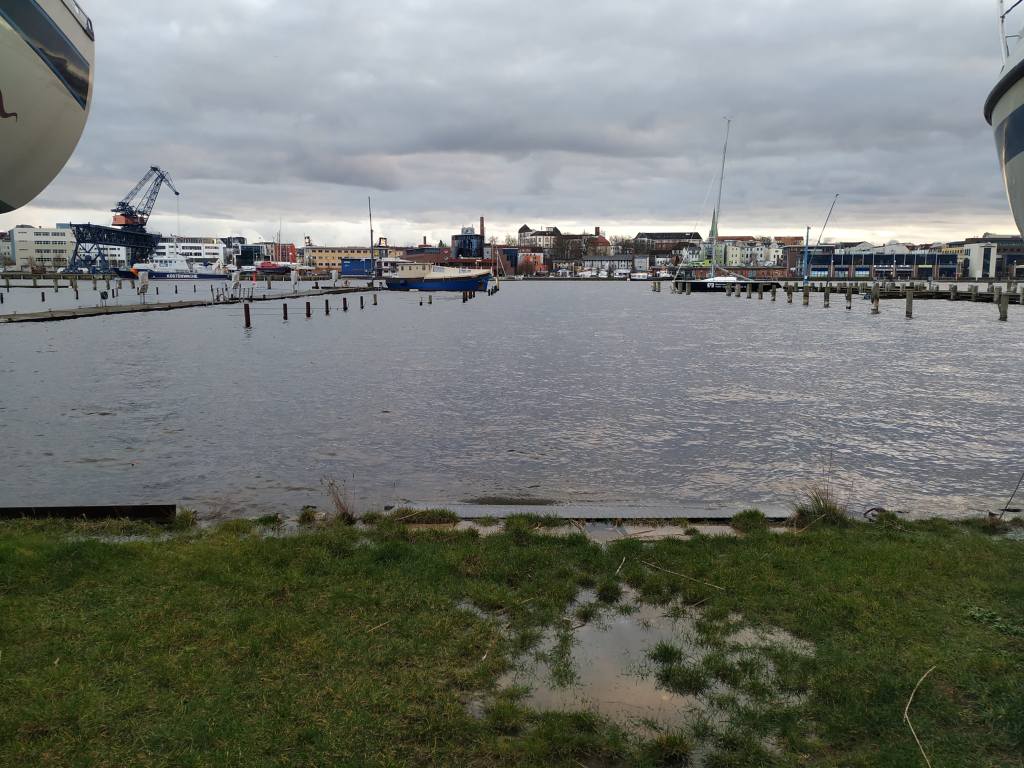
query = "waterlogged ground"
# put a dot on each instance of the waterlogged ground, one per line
(387, 644)
(609, 400)
(656, 669)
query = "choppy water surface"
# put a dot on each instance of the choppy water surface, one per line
(608, 397)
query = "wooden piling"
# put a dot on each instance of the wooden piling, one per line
(974, 292)
(807, 295)
(876, 299)
(760, 292)
(775, 289)
(689, 288)
(375, 299)
(175, 289)
(826, 303)
(430, 298)
(953, 292)
(344, 304)
(1004, 306)
(284, 311)
(361, 305)
(327, 307)
(245, 313)
(42, 296)
(910, 302)
(849, 296)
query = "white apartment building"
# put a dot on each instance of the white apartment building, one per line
(45, 249)
(195, 250)
(543, 239)
(982, 260)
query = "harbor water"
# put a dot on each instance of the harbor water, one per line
(607, 398)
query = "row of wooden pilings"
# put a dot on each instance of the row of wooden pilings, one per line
(247, 309)
(997, 296)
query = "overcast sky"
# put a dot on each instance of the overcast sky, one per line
(564, 112)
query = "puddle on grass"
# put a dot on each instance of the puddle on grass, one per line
(606, 666)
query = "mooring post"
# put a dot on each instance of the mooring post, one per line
(344, 303)
(465, 298)
(361, 305)
(327, 307)
(849, 296)
(910, 302)
(750, 290)
(775, 289)
(689, 288)
(952, 292)
(42, 296)
(876, 298)
(76, 294)
(974, 292)
(760, 291)
(175, 289)
(1004, 306)
(997, 293)
(828, 294)
(375, 299)
(807, 295)
(284, 311)
(430, 298)
(309, 310)
(245, 313)
(421, 300)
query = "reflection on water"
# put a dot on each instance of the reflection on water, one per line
(612, 398)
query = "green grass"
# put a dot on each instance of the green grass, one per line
(343, 646)
(750, 521)
(422, 516)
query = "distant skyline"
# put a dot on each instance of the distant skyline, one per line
(576, 114)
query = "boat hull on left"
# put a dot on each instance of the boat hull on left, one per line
(47, 55)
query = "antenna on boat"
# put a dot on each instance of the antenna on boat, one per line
(1004, 45)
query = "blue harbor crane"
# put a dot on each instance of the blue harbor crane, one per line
(131, 214)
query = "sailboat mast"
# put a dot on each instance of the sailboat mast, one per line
(718, 205)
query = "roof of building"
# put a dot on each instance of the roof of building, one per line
(600, 240)
(737, 239)
(524, 229)
(668, 236)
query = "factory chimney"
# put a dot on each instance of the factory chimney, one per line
(482, 237)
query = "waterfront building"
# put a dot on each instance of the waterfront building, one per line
(41, 250)
(468, 245)
(666, 241)
(6, 257)
(195, 250)
(544, 239)
(994, 257)
(331, 257)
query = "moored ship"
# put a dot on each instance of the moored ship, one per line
(413, 276)
(174, 268)
(47, 53)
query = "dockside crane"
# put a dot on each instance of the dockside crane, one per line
(132, 213)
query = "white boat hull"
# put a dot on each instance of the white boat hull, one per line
(46, 73)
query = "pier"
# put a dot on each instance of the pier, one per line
(75, 313)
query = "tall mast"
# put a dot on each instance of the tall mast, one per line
(369, 207)
(718, 205)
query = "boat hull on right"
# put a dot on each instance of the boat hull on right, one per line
(1004, 110)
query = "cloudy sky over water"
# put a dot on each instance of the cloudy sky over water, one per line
(575, 113)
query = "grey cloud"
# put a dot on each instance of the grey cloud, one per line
(594, 111)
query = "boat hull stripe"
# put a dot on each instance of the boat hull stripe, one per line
(1010, 136)
(43, 36)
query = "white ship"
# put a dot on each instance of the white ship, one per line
(1004, 110)
(46, 72)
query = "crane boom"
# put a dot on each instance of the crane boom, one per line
(134, 216)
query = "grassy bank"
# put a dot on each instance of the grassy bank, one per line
(348, 647)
